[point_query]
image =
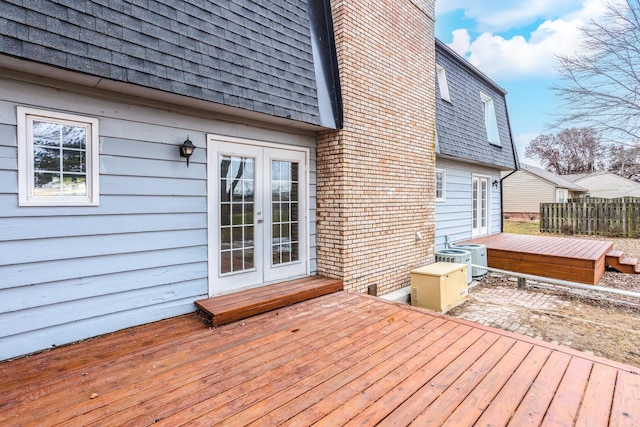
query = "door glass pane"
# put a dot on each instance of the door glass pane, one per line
(484, 201)
(474, 207)
(236, 214)
(284, 212)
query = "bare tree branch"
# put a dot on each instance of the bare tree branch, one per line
(569, 151)
(600, 87)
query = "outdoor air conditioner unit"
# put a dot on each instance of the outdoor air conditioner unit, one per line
(478, 257)
(458, 256)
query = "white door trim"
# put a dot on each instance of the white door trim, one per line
(479, 230)
(212, 206)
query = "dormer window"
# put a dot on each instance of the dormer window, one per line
(490, 121)
(442, 83)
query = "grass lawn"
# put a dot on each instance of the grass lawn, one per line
(518, 227)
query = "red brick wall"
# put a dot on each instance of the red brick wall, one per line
(376, 175)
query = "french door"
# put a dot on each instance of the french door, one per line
(257, 214)
(480, 206)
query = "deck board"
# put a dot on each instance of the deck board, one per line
(425, 396)
(563, 258)
(566, 402)
(600, 388)
(339, 359)
(240, 305)
(627, 395)
(536, 401)
(450, 398)
(481, 396)
(509, 399)
(238, 367)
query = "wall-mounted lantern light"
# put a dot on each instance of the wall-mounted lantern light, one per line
(494, 183)
(186, 149)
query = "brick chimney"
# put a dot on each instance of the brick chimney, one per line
(376, 197)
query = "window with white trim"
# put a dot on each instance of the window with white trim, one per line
(490, 121)
(440, 189)
(562, 195)
(57, 159)
(442, 83)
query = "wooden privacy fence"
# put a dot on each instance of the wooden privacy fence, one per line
(606, 217)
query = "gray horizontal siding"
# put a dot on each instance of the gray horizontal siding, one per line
(453, 216)
(76, 248)
(111, 205)
(69, 332)
(81, 288)
(101, 306)
(58, 226)
(69, 273)
(28, 274)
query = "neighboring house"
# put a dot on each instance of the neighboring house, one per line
(296, 172)
(605, 184)
(474, 145)
(525, 189)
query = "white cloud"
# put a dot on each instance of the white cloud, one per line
(496, 16)
(529, 55)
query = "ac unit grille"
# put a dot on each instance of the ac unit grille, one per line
(458, 256)
(445, 258)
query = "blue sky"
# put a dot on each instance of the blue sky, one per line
(515, 43)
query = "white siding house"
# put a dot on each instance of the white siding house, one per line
(606, 185)
(526, 188)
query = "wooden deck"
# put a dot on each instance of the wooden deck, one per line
(228, 308)
(575, 260)
(340, 359)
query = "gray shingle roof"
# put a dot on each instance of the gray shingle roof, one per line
(252, 54)
(557, 180)
(460, 123)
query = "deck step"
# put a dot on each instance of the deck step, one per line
(240, 305)
(617, 261)
(615, 254)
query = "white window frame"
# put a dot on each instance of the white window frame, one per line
(26, 196)
(443, 195)
(441, 73)
(562, 195)
(490, 120)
